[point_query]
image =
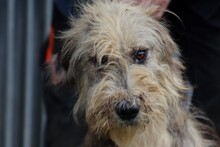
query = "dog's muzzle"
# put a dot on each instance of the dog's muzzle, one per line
(127, 110)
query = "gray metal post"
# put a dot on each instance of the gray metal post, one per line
(24, 25)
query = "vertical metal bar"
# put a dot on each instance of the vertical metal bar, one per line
(48, 6)
(20, 84)
(2, 68)
(19, 57)
(29, 78)
(10, 95)
(48, 14)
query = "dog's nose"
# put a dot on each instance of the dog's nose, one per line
(126, 110)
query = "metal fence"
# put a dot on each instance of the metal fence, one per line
(24, 25)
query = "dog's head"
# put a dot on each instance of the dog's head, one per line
(125, 68)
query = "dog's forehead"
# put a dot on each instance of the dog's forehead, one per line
(120, 25)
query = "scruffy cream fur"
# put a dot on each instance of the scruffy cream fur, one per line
(98, 57)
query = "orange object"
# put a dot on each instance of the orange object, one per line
(50, 48)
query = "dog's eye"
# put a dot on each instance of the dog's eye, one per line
(93, 60)
(140, 56)
(104, 60)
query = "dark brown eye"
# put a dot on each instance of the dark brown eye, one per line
(104, 60)
(140, 56)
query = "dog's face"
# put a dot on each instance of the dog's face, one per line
(125, 68)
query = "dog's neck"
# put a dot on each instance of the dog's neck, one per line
(92, 140)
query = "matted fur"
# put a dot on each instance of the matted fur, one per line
(98, 55)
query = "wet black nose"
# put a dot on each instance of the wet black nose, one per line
(126, 110)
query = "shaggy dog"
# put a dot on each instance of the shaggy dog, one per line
(126, 71)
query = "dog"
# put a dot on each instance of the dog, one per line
(128, 75)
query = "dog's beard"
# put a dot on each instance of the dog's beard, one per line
(103, 120)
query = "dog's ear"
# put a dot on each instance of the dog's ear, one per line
(150, 7)
(170, 50)
(56, 71)
(153, 11)
(154, 8)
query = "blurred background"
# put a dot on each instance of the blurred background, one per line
(24, 27)
(34, 113)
